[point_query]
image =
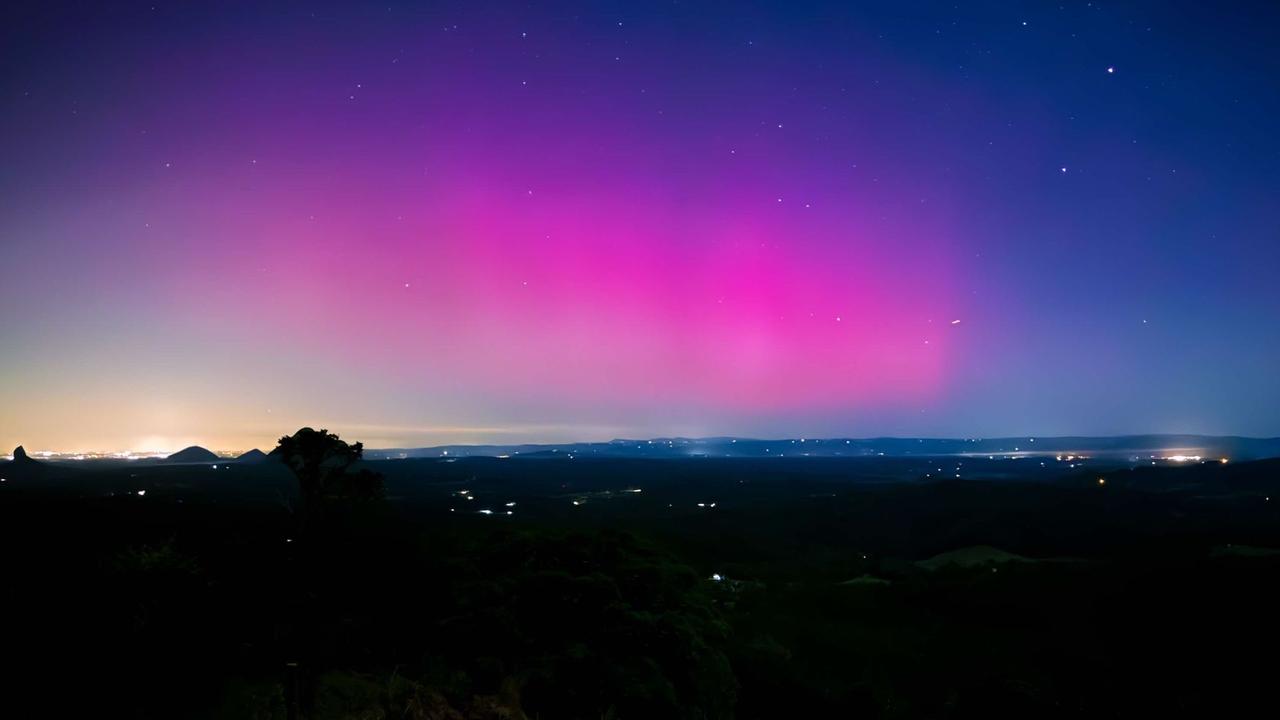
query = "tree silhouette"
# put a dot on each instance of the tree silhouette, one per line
(322, 463)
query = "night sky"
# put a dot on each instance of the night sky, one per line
(462, 222)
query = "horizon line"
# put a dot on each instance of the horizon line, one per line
(150, 454)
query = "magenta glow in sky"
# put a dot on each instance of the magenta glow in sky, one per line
(420, 226)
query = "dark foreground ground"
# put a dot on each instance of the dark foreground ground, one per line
(807, 587)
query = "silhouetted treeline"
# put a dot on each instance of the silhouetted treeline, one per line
(802, 593)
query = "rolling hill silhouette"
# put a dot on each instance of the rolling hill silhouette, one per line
(253, 456)
(193, 454)
(23, 467)
(20, 457)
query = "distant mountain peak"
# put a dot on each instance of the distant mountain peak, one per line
(253, 456)
(193, 454)
(20, 455)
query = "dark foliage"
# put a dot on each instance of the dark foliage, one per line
(800, 595)
(322, 463)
